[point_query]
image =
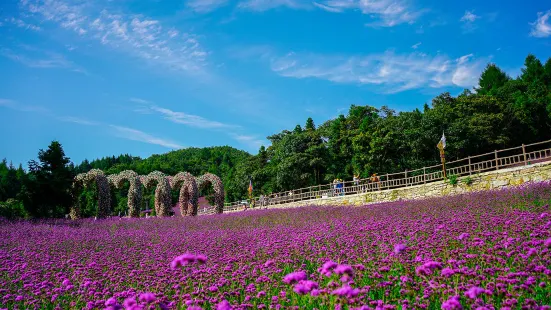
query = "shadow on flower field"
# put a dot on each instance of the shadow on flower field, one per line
(486, 250)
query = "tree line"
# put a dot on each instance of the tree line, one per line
(501, 112)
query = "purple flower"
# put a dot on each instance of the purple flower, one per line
(213, 288)
(346, 291)
(223, 305)
(304, 287)
(474, 291)
(269, 263)
(201, 258)
(547, 243)
(294, 277)
(129, 302)
(327, 267)
(399, 248)
(300, 289)
(111, 302)
(147, 297)
(452, 304)
(447, 272)
(344, 269)
(463, 236)
(194, 308)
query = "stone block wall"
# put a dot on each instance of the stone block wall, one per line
(479, 182)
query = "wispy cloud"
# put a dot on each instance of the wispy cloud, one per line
(327, 8)
(190, 119)
(468, 19)
(541, 28)
(36, 58)
(21, 24)
(148, 107)
(77, 120)
(265, 5)
(14, 105)
(137, 135)
(390, 72)
(134, 34)
(140, 101)
(416, 45)
(205, 6)
(387, 13)
(253, 142)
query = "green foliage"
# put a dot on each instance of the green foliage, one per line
(48, 184)
(468, 180)
(12, 209)
(453, 179)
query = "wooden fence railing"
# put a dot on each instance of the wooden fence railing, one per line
(496, 160)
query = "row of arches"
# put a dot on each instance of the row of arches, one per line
(187, 184)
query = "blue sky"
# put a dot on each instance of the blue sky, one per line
(143, 77)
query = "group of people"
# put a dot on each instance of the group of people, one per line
(338, 187)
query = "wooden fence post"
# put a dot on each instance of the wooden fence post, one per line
(524, 155)
(497, 163)
(424, 175)
(406, 177)
(470, 165)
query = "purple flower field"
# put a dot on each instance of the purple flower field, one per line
(489, 250)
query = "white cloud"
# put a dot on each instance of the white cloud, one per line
(22, 24)
(189, 119)
(469, 17)
(416, 45)
(265, 5)
(134, 34)
(390, 72)
(148, 107)
(205, 6)
(42, 59)
(137, 135)
(327, 8)
(388, 13)
(541, 28)
(139, 100)
(14, 105)
(77, 120)
(250, 141)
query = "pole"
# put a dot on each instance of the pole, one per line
(524, 154)
(424, 175)
(442, 159)
(497, 163)
(469, 165)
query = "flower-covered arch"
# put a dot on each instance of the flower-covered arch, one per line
(189, 194)
(134, 192)
(218, 189)
(163, 200)
(104, 193)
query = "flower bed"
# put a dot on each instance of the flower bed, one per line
(488, 250)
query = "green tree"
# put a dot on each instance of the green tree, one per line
(491, 79)
(49, 183)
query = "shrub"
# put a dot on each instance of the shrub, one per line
(468, 180)
(452, 179)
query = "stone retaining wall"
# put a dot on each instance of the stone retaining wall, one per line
(483, 181)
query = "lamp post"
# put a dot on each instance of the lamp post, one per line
(441, 145)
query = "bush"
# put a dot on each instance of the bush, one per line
(12, 209)
(468, 180)
(453, 179)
